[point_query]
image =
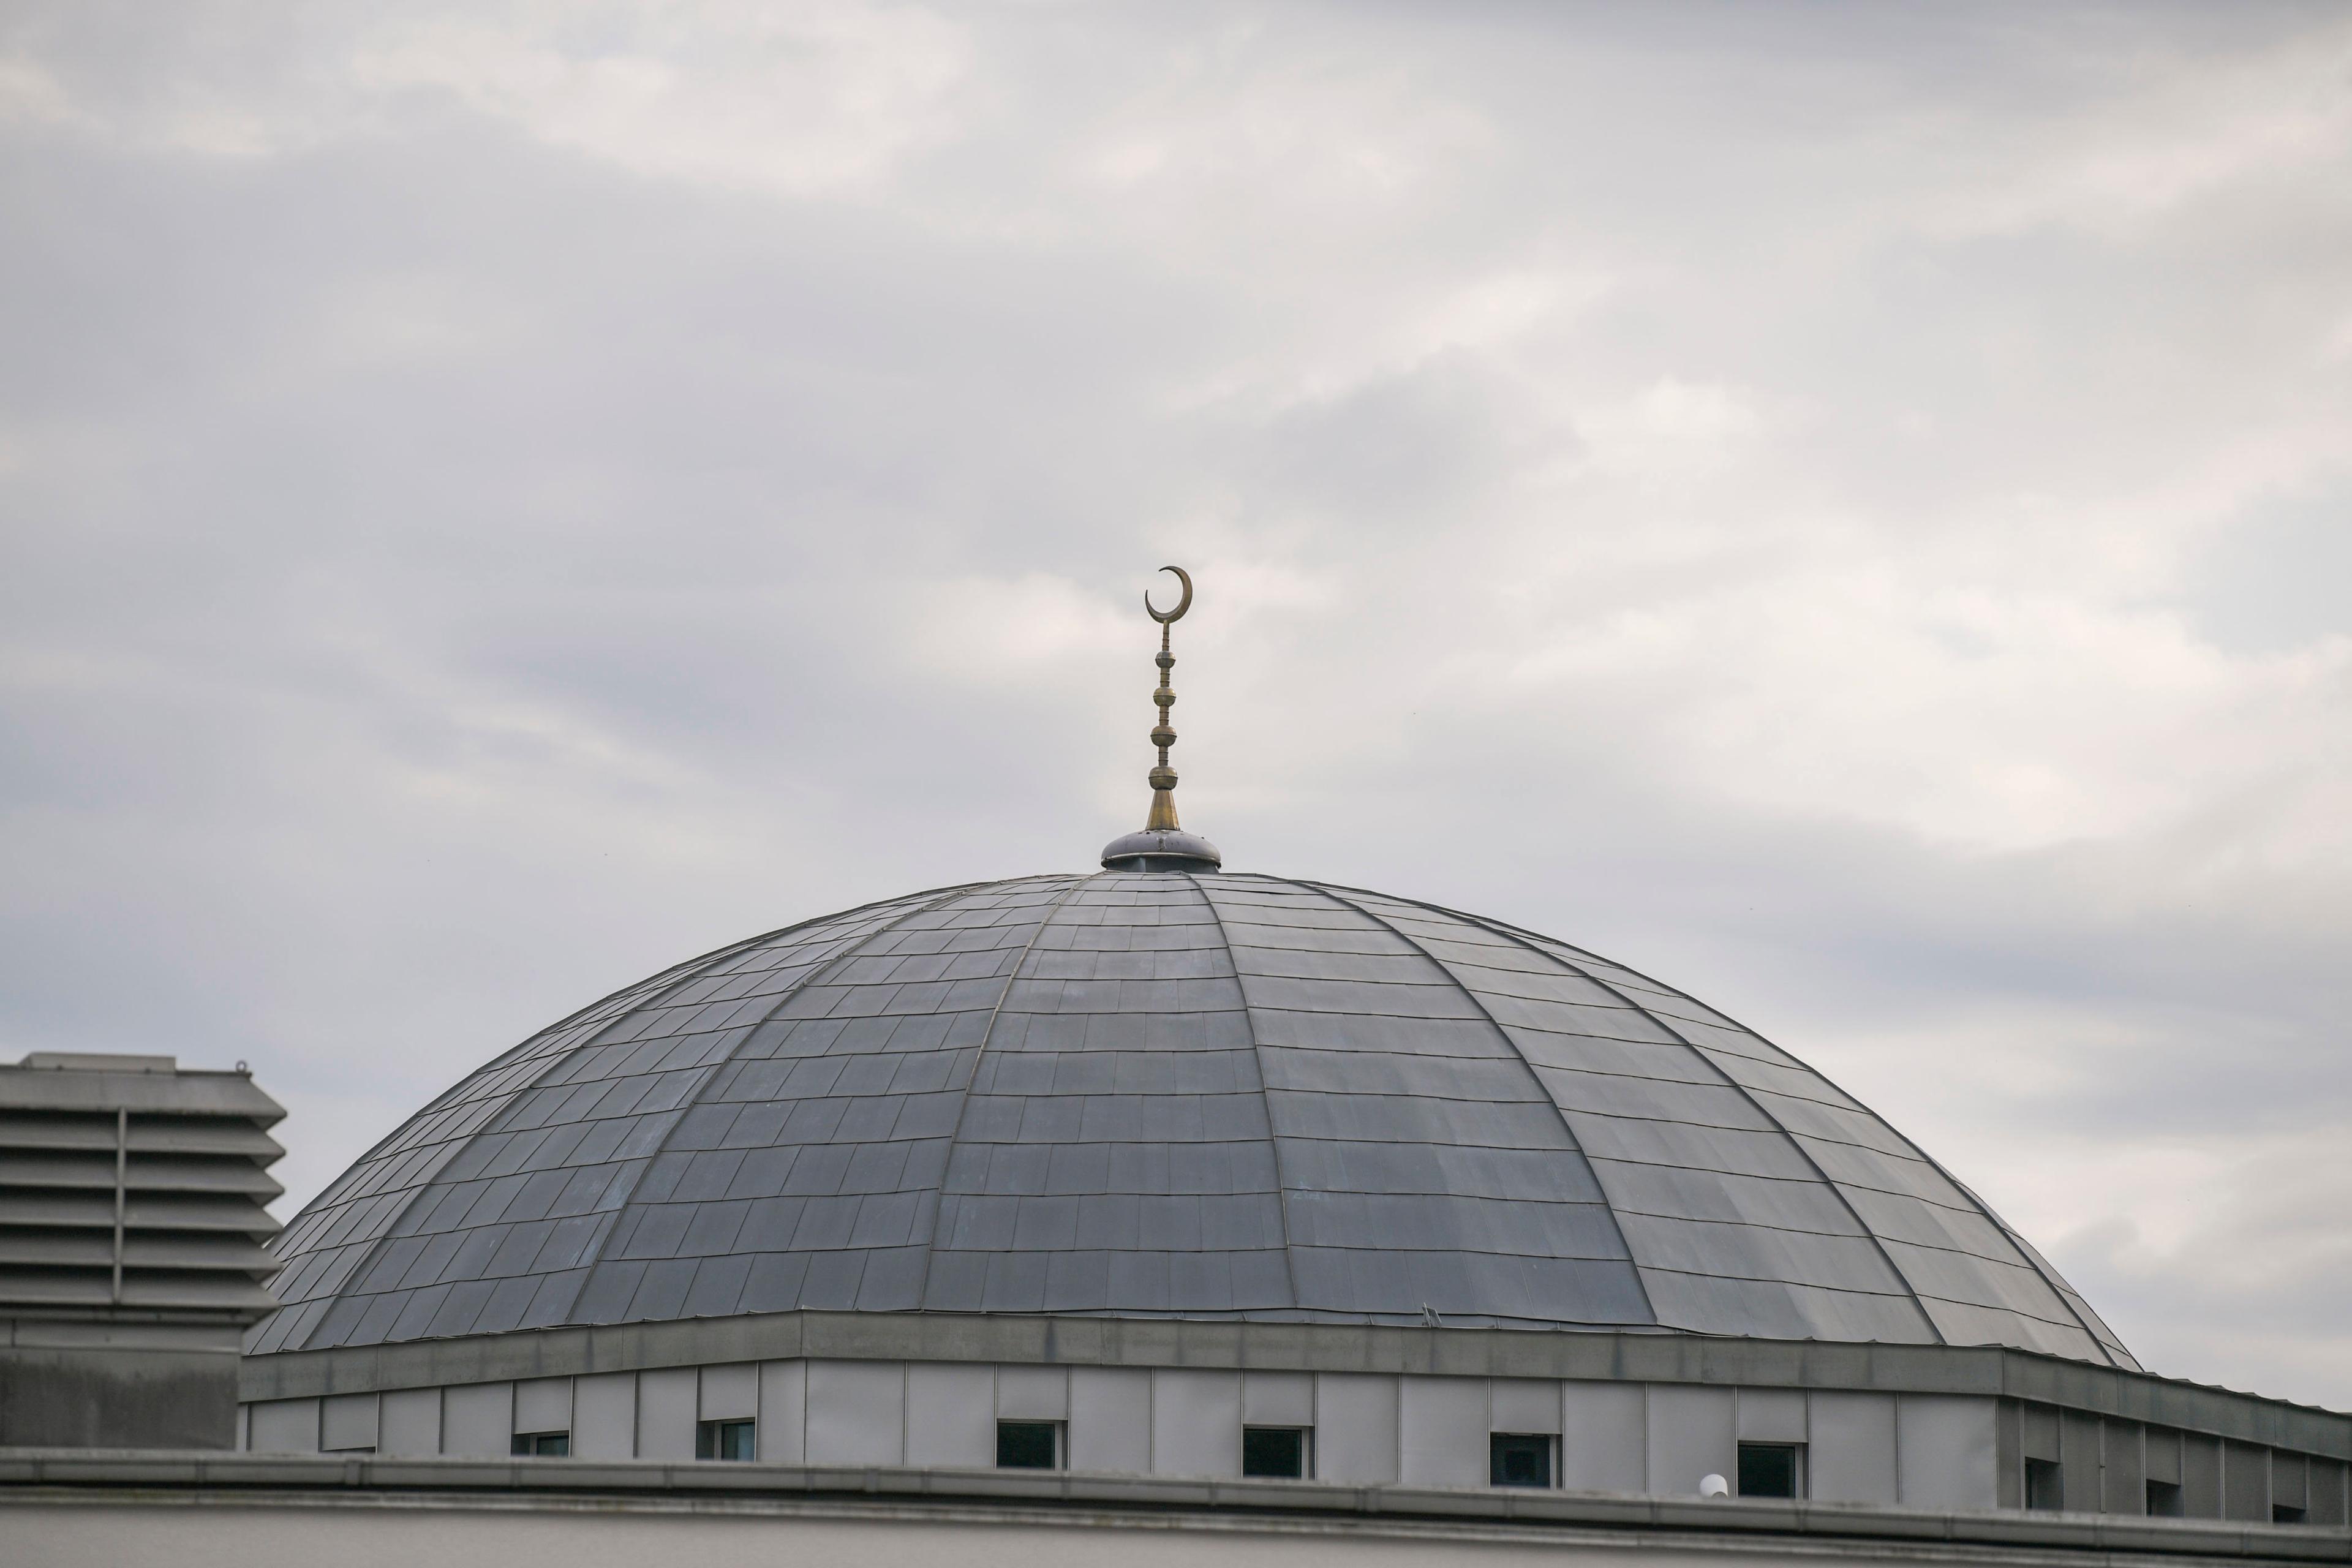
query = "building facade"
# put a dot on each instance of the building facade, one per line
(1174, 1173)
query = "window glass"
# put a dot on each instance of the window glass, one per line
(2285, 1513)
(1028, 1445)
(2163, 1499)
(1279, 1452)
(725, 1440)
(1771, 1470)
(1520, 1460)
(2042, 1489)
(546, 1444)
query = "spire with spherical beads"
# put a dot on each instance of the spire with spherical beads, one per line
(1163, 846)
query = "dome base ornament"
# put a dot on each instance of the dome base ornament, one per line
(1157, 850)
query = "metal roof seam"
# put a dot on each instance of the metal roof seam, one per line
(2058, 1286)
(1609, 1206)
(1876, 1241)
(665, 984)
(831, 966)
(1258, 1054)
(979, 1055)
(1917, 1305)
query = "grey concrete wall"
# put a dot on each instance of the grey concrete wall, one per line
(1369, 1428)
(1441, 1431)
(1357, 1441)
(951, 1412)
(1986, 1372)
(118, 1395)
(1941, 1451)
(1110, 1419)
(1947, 1451)
(1196, 1422)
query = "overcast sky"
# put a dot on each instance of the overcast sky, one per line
(1847, 509)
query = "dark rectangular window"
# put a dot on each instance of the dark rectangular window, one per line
(2044, 1487)
(1279, 1452)
(546, 1444)
(2285, 1513)
(2163, 1499)
(1028, 1445)
(1772, 1469)
(1519, 1459)
(726, 1440)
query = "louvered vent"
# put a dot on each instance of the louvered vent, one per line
(131, 1189)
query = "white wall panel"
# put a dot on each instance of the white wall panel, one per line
(478, 1420)
(1523, 1405)
(543, 1405)
(667, 1399)
(1356, 1427)
(1278, 1398)
(1946, 1443)
(1850, 1456)
(732, 1392)
(1032, 1393)
(1690, 1438)
(856, 1411)
(605, 1415)
(1196, 1422)
(1110, 1419)
(286, 1427)
(1441, 1431)
(951, 1414)
(1771, 1414)
(408, 1421)
(1605, 1437)
(784, 1410)
(347, 1421)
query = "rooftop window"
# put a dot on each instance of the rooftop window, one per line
(1519, 1459)
(1028, 1445)
(2164, 1500)
(2044, 1485)
(1281, 1453)
(544, 1445)
(1772, 1469)
(726, 1439)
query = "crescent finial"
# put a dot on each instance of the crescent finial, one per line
(1182, 605)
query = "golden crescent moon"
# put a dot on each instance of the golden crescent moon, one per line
(1182, 605)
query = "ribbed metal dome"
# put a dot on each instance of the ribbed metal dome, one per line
(1166, 1094)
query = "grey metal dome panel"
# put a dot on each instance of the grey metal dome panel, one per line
(1163, 1094)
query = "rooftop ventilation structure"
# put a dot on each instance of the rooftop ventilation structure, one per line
(132, 1247)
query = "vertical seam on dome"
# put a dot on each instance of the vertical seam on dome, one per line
(1266, 1098)
(1737, 1086)
(825, 970)
(662, 984)
(1640, 1283)
(2058, 1287)
(979, 1055)
(665, 984)
(664, 981)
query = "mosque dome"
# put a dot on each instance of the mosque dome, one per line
(1158, 1091)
